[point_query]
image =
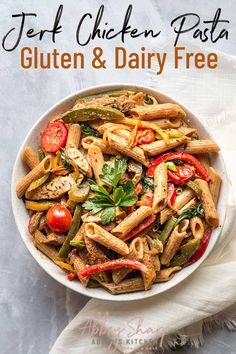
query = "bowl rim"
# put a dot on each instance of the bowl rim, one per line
(40, 258)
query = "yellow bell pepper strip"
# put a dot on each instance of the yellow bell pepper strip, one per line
(37, 183)
(113, 264)
(38, 206)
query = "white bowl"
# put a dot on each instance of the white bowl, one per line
(21, 215)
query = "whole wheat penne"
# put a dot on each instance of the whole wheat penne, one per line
(214, 184)
(132, 220)
(126, 286)
(211, 215)
(197, 227)
(79, 265)
(97, 161)
(136, 251)
(98, 234)
(73, 138)
(174, 242)
(30, 157)
(96, 255)
(121, 145)
(187, 130)
(160, 146)
(160, 188)
(181, 200)
(201, 147)
(166, 123)
(166, 274)
(162, 110)
(149, 277)
(79, 236)
(38, 171)
(192, 203)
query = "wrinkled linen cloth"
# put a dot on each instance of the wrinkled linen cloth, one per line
(180, 314)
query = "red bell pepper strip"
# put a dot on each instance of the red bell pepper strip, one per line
(183, 156)
(113, 264)
(71, 276)
(202, 247)
(142, 226)
(172, 192)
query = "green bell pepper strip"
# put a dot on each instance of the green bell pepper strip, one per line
(170, 224)
(186, 252)
(65, 248)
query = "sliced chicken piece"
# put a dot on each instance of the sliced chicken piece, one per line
(79, 159)
(53, 189)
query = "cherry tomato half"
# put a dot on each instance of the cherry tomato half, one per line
(146, 136)
(183, 174)
(58, 218)
(54, 136)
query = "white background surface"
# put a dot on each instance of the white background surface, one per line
(34, 308)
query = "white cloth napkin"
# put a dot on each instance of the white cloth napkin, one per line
(207, 296)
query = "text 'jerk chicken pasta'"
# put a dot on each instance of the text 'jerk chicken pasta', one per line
(121, 193)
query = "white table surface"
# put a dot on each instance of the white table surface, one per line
(34, 307)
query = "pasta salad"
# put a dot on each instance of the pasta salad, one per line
(121, 193)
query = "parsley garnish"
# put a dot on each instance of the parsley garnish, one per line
(122, 196)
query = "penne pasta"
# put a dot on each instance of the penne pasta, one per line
(214, 184)
(174, 242)
(162, 110)
(73, 138)
(96, 160)
(211, 215)
(159, 146)
(180, 202)
(166, 274)
(91, 140)
(201, 147)
(149, 277)
(136, 251)
(126, 286)
(79, 265)
(30, 157)
(121, 145)
(98, 234)
(160, 188)
(131, 221)
(38, 171)
(197, 227)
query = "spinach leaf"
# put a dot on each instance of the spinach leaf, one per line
(89, 131)
(191, 212)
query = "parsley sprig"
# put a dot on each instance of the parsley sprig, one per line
(106, 202)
